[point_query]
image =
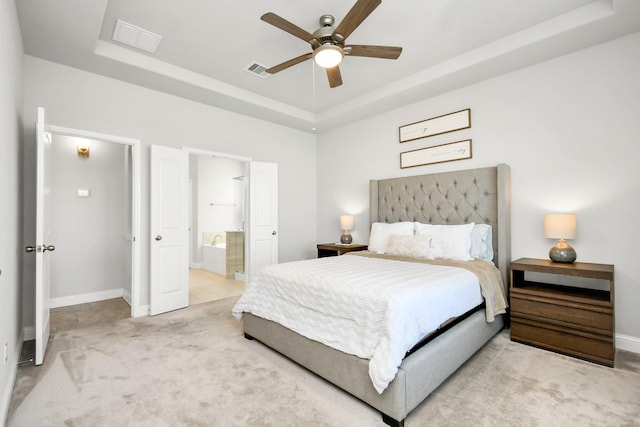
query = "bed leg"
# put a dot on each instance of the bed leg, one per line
(391, 422)
(247, 336)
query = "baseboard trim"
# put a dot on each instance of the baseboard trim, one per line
(85, 298)
(7, 392)
(126, 294)
(29, 333)
(196, 265)
(628, 343)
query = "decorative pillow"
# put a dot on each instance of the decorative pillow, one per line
(411, 246)
(453, 240)
(380, 232)
(482, 242)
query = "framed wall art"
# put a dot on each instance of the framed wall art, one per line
(436, 125)
(437, 154)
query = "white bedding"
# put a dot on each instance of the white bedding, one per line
(376, 309)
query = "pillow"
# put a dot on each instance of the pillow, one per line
(482, 242)
(411, 246)
(453, 240)
(380, 232)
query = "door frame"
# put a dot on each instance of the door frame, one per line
(135, 144)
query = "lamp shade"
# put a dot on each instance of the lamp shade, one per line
(347, 222)
(560, 226)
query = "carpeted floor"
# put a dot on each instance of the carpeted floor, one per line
(193, 367)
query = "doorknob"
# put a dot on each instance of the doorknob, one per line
(29, 249)
(273, 233)
(158, 237)
(46, 248)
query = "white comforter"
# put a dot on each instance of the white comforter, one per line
(376, 309)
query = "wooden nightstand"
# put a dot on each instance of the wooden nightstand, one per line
(572, 320)
(335, 249)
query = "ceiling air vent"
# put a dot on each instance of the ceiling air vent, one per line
(136, 37)
(257, 69)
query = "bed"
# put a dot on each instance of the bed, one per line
(479, 196)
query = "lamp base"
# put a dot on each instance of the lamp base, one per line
(562, 252)
(346, 238)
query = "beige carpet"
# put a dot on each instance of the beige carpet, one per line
(192, 367)
(89, 314)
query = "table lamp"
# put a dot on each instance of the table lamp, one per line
(346, 224)
(561, 226)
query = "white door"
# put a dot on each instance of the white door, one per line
(263, 216)
(43, 246)
(169, 220)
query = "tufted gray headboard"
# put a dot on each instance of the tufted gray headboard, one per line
(475, 195)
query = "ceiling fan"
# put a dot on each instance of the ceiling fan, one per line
(328, 42)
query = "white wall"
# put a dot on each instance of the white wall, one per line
(568, 128)
(11, 249)
(90, 234)
(81, 100)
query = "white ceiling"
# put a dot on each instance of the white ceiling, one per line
(207, 45)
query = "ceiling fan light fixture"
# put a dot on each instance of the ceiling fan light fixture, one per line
(328, 55)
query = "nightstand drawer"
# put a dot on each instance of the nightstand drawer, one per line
(599, 318)
(592, 347)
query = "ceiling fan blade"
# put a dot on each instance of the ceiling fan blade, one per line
(284, 25)
(335, 78)
(386, 52)
(355, 16)
(289, 63)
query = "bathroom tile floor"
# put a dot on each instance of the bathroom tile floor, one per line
(205, 286)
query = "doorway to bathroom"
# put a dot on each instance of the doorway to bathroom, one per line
(218, 200)
(169, 223)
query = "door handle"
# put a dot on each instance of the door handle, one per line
(158, 237)
(273, 233)
(49, 248)
(30, 249)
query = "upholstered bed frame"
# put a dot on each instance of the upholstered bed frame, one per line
(475, 195)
